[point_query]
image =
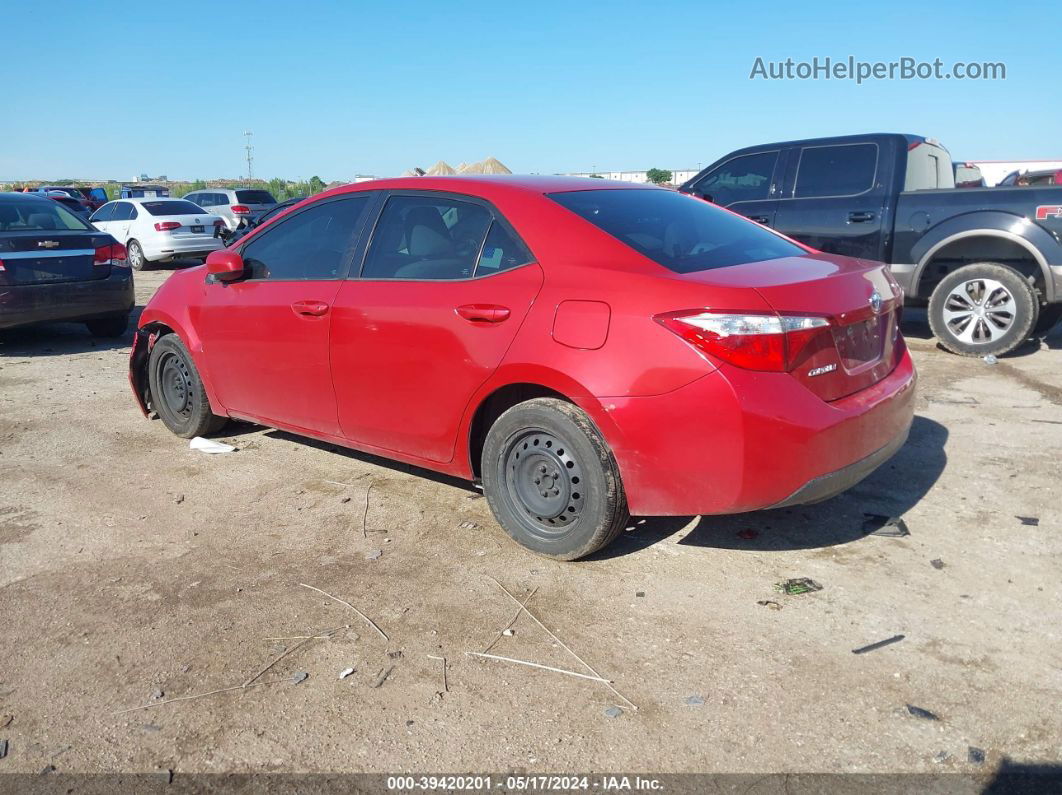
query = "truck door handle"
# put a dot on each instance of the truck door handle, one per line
(313, 308)
(483, 313)
(860, 216)
(760, 219)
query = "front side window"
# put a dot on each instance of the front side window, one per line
(680, 232)
(313, 244)
(422, 237)
(745, 178)
(105, 213)
(124, 212)
(844, 170)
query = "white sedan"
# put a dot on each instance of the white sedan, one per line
(159, 229)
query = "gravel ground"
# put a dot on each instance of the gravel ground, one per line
(134, 571)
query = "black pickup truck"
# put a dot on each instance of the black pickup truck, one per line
(988, 261)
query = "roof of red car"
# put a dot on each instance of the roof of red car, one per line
(491, 183)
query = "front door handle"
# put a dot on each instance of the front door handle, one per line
(483, 313)
(760, 219)
(313, 308)
(860, 216)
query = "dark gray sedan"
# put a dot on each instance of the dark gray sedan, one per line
(54, 266)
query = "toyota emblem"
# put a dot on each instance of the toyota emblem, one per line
(875, 302)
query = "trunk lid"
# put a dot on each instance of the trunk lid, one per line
(44, 257)
(860, 299)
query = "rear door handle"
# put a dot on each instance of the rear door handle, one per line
(860, 216)
(760, 219)
(483, 313)
(314, 308)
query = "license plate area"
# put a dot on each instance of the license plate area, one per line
(862, 343)
(198, 230)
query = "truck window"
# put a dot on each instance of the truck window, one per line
(928, 167)
(745, 178)
(841, 170)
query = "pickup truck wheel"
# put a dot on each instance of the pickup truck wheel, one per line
(551, 480)
(1049, 317)
(177, 392)
(983, 308)
(134, 253)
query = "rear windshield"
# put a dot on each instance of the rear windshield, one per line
(255, 197)
(172, 207)
(37, 216)
(677, 231)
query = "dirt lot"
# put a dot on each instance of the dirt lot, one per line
(134, 570)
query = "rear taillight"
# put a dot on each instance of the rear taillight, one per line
(754, 341)
(241, 209)
(109, 255)
(2, 268)
(166, 226)
(219, 222)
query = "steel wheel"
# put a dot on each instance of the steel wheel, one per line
(979, 311)
(542, 481)
(176, 385)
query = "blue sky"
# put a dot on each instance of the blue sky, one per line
(340, 88)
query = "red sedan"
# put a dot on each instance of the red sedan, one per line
(584, 349)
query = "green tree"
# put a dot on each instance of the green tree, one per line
(658, 176)
(316, 185)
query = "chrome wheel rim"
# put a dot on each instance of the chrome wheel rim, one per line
(543, 482)
(979, 311)
(136, 256)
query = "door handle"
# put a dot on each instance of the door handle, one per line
(860, 216)
(483, 313)
(313, 308)
(760, 219)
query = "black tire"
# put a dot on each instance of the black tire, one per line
(577, 506)
(1049, 317)
(984, 308)
(135, 256)
(177, 393)
(113, 326)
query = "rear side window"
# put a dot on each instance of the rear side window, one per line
(172, 207)
(681, 233)
(17, 216)
(844, 170)
(501, 251)
(419, 237)
(220, 199)
(313, 244)
(745, 178)
(255, 197)
(928, 167)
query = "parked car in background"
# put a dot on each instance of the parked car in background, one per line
(235, 206)
(987, 262)
(968, 175)
(76, 194)
(261, 218)
(1024, 179)
(159, 230)
(141, 191)
(76, 206)
(54, 266)
(583, 348)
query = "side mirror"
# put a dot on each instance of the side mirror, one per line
(224, 265)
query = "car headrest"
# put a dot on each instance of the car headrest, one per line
(42, 221)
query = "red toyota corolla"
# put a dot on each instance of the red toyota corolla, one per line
(584, 349)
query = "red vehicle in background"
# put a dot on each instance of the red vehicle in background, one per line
(584, 349)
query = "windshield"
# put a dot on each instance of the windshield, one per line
(173, 207)
(681, 233)
(37, 216)
(255, 197)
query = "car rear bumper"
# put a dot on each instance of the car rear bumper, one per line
(180, 247)
(28, 304)
(738, 440)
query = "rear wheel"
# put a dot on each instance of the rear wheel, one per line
(113, 326)
(983, 308)
(135, 255)
(551, 480)
(177, 392)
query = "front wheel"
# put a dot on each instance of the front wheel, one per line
(551, 480)
(981, 309)
(177, 392)
(134, 253)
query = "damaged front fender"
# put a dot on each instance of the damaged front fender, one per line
(143, 341)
